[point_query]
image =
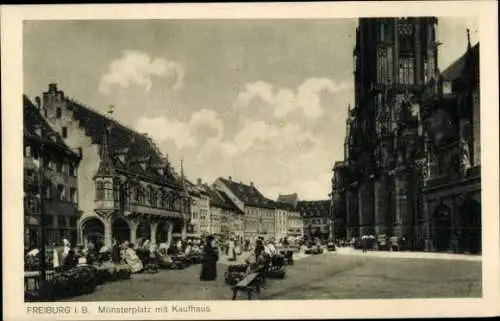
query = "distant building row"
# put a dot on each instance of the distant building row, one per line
(104, 180)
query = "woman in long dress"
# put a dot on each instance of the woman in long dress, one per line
(132, 259)
(210, 258)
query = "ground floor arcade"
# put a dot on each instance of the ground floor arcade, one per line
(131, 228)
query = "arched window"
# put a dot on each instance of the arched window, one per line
(99, 192)
(58, 113)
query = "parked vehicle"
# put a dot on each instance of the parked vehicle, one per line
(313, 248)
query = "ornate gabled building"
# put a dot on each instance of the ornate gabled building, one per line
(407, 117)
(317, 219)
(58, 186)
(452, 184)
(258, 211)
(127, 189)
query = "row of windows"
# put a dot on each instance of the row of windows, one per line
(51, 162)
(317, 221)
(59, 221)
(112, 190)
(61, 193)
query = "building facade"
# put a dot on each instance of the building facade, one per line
(294, 222)
(389, 148)
(281, 220)
(228, 216)
(258, 211)
(127, 189)
(199, 224)
(50, 171)
(317, 219)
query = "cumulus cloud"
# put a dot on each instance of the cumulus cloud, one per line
(138, 68)
(263, 136)
(284, 100)
(183, 134)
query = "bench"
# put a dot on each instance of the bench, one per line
(249, 284)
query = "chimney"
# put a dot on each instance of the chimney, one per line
(198, 182)
(230, 178)
(52, 88)
(38, 102)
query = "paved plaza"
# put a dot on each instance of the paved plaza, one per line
(348, 274)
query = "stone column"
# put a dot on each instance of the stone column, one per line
(366, 208)
(418, 54)
(400, 190)
(427, 225)
(348, 215)
(170, 230)
(184, 229)
(476, 135)
(133, 230)
(381, 206)
(108, 232)
(453, 228)
(153, 228)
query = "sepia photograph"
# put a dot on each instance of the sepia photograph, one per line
(251, 159)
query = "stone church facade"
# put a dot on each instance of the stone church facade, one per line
(407, 117)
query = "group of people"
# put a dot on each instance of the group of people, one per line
(261, 251)
(66, 256)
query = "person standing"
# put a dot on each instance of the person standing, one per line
(210, 258)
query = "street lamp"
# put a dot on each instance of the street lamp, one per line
(41, 186)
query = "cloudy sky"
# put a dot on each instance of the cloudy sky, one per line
(258, 100)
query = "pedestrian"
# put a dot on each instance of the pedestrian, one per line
(210, 258)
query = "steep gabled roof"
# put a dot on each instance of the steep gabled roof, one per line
(457, 68)
(285, 206)
(220, 199)
(248, 194)
(140, 149)
(290, 199)
(35, 127)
